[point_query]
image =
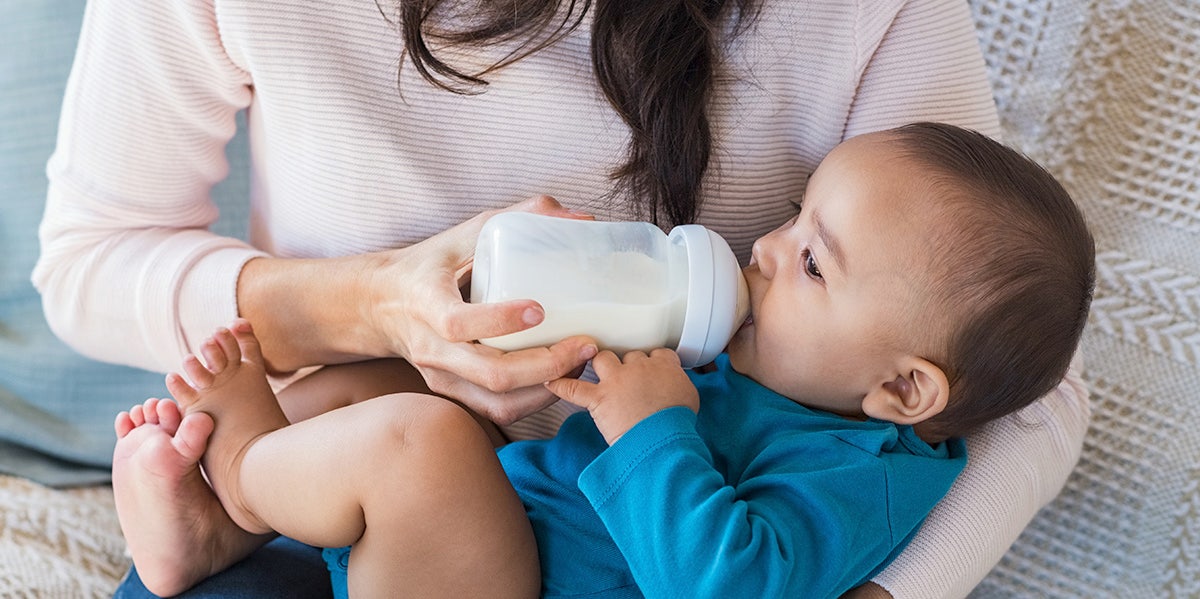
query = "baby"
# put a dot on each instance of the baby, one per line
(933, 280)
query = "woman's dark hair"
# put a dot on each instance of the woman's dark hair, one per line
(1016, 273)
(654, 60)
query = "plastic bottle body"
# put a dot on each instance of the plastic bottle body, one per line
(625, 284)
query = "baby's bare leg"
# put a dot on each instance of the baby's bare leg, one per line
(176, 529)
(411, 481)
(413, 484)
(338, 386)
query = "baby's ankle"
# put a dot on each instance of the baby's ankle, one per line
(233, 500)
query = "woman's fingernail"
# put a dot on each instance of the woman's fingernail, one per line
(588, 352)
(532, 316)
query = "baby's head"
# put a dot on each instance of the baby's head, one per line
(934, 277)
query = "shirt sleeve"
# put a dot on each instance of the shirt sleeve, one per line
(781, 532)
(125, 248)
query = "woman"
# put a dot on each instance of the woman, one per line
(375, 126)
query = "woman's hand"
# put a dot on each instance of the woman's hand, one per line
(408, 303)
(630, 389)
(416, 303)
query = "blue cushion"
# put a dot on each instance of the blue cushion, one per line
(56, 407)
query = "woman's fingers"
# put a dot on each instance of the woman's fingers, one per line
(540, 204)
(501, 408)
(459, 321)
(460, 239)
(503, 386)
(499, 371)
(418, 308)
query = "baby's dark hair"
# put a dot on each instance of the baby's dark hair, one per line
(1016, 273)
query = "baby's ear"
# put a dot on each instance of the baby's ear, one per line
(917, 394)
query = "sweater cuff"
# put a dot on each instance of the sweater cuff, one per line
(603, 478)
(208, 296)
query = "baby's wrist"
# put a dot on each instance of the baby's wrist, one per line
(614, 428)
(653, 424)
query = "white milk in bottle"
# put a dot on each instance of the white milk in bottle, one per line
(628, 285)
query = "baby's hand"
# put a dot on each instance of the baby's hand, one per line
(629, 390)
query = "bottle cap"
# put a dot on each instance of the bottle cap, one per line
(717, 296)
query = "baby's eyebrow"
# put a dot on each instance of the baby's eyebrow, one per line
(830, 243)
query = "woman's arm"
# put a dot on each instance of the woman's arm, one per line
(125, 251)
(407, 303)
(127, 254)
(925, 64)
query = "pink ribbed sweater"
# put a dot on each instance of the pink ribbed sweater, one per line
(344, 163)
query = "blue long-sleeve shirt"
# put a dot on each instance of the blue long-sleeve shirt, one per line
(754, 496)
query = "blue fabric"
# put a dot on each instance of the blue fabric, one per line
(337, 561)
(281, 568)
(755, 496)
(56, 407)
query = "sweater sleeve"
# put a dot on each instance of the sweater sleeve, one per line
(782, 531)
(149, 107)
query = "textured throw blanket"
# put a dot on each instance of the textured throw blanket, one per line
(1107, 96)
(58, 543)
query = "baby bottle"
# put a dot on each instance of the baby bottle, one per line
(627, 285)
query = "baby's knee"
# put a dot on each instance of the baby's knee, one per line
(418, 422)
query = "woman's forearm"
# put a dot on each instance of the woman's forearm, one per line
(407, 303)
(307, 312)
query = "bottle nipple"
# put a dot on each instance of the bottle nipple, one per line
(742, 309)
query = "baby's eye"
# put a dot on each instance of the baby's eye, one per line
(810, 265)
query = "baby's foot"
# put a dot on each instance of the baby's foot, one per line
(174, 526)
(231, 387)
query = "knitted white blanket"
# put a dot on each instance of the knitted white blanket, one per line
(58, 543)
(1107, 95)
